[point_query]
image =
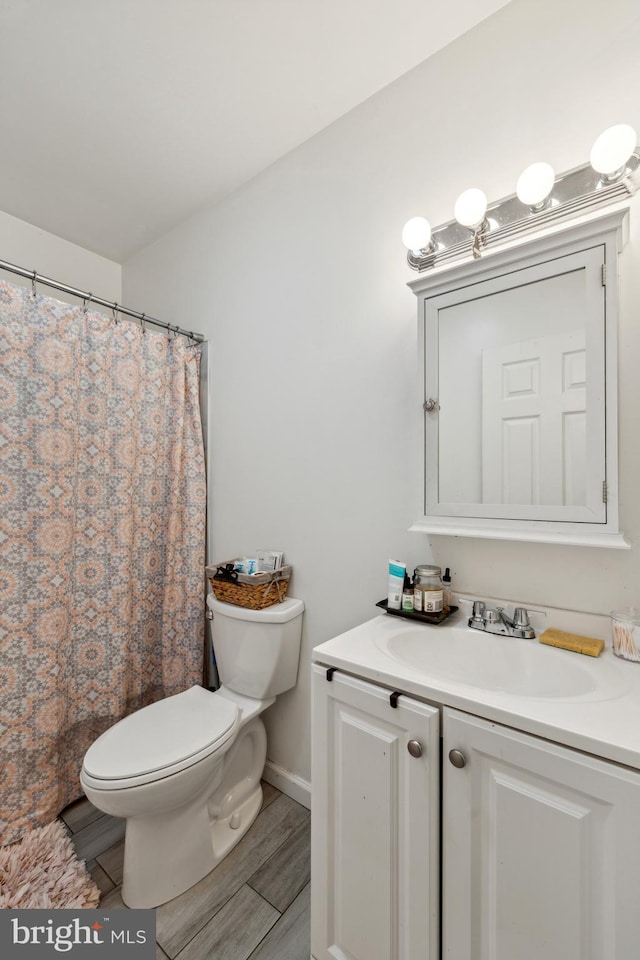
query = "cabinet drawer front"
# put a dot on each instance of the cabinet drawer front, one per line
(541, 849)
(375, 850)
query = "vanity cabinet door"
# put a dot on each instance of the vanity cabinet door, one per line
(374, 824)
(541, 849)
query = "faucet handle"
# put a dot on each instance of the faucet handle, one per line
(522, 625)
(521, 617)
(477, 616)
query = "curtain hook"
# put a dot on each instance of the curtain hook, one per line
(86, 300)
(142, 326)
(33, 285)
(114, 311)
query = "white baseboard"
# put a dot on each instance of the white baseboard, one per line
(289, 783)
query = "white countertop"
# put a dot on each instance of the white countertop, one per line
(606, 727)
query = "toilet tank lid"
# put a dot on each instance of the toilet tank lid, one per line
(289, 609)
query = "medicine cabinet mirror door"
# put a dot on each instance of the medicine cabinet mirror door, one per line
(519, 361)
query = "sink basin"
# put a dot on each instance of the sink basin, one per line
(522, 668)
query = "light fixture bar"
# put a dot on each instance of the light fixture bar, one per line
(575, 192)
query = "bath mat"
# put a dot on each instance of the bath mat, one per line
(42, 871)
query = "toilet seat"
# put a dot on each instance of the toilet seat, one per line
(161, 739)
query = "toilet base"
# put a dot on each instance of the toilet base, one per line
(165, 855)
(225, 834)
(160, 881)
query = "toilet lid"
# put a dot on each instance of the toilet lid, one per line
(162, 735)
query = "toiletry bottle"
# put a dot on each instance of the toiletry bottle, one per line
(447, 589)
(407, 595)
(428, 582)
(397, 571)
(417, 593)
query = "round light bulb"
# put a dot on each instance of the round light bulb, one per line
(612, 149)
(470, 208)
(416, 234)
(535, 184)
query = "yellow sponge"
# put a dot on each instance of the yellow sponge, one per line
(572, 641)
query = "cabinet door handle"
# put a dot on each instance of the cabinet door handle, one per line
(415, 748)
(457, 758)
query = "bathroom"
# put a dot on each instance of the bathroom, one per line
(298, 280)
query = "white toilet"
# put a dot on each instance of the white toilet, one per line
(185, 771)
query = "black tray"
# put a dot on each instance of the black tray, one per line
(418, 615)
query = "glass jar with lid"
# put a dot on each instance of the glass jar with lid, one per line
(428, 594)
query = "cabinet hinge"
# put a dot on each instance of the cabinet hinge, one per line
(604, 491)
(604, 274)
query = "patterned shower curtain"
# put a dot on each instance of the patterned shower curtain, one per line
(102, 538)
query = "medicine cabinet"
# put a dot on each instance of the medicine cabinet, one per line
(519, 390)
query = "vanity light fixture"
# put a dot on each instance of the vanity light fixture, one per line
(541, 200)
(470, 208)
(612, 150)
(416, 236)
(535, 185)
(471, 211)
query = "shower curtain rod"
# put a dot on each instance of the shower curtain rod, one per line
(90, 298)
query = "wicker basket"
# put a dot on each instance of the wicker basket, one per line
(255, 592)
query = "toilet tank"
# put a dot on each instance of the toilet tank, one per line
(257, 651)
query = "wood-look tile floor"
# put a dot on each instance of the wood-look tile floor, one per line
(253, 906)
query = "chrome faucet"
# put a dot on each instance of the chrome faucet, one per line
(496, 621)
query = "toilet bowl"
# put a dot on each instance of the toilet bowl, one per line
(185, 772)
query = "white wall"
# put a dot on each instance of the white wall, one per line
(299, 279)
(25, 245)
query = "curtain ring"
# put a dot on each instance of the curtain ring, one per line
(114, 311)
(86, 300)
(33, 285)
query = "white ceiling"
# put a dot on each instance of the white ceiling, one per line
(121, 118)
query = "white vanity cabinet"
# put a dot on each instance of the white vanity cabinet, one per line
(375, 822)
(541, 848)
(540, 842)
